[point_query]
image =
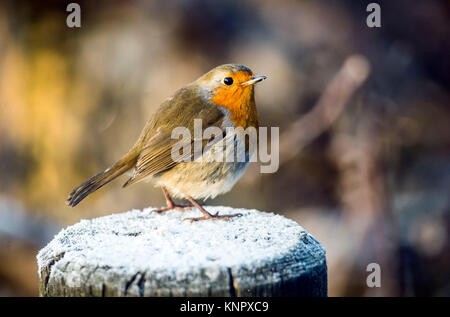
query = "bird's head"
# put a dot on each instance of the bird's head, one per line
(232, 86)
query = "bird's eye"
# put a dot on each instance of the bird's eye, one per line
(228, 81)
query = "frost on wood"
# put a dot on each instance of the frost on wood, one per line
(141, 253)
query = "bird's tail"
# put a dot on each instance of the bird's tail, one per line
(100, 179)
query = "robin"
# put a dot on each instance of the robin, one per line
(223, 97)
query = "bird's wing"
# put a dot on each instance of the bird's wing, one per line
(157, 143)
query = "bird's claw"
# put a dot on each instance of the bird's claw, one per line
(215, 216)
(177, 207)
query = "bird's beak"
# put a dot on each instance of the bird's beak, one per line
(254, 80)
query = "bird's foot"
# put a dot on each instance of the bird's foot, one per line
(215, 216)
(206, 214)
(171, 204)
(174, 206)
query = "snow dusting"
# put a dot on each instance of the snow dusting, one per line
(139, 241)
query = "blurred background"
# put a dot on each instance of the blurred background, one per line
(363, 113)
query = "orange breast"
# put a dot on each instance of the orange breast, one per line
(239, 100)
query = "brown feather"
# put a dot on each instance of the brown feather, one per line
(101, 179)
(179, 111)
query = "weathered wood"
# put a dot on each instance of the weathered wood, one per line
(140, 253)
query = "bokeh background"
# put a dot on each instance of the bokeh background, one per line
(363, 113)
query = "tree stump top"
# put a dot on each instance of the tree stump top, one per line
(141, 253)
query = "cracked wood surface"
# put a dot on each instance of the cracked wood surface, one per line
(140, 253)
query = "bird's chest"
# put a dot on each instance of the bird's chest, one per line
(233, 147)
(214, 173)
(240, 107)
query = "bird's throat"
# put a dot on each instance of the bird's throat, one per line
(240, 101)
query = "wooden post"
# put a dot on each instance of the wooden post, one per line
(141, 253)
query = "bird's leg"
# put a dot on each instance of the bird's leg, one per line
(170, 203)
(207, 215)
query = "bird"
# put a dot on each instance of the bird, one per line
(223, 97)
